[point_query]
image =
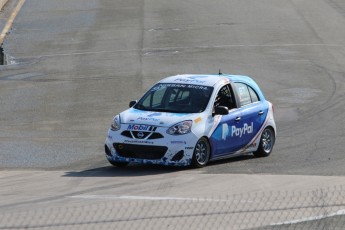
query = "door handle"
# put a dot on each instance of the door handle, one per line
(238, 119)
(261, 112)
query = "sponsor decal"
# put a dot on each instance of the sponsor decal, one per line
(147, 119)
(198, 120)
(165, 85)
(141, 128)
(154, 114)
(178, 142)
(246, 129)
(177, 85)
(110, 137)
(189, 148)
(196, 77)
(138, 142)
(196, 87)
(189, 80)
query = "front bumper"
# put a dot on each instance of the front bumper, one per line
(170, 150)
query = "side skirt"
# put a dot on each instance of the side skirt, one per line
(227, 156)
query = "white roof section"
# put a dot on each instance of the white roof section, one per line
(195, 79)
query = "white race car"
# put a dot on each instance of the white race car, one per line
(191, 120)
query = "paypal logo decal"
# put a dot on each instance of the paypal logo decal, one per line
(246, 129)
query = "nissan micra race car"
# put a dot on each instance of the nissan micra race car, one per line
(191, 120)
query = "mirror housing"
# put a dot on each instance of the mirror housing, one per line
(132, 103)
(221, 110)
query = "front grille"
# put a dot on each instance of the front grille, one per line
(150, 152)
(155, 136)
(127, 134)
(141, 135)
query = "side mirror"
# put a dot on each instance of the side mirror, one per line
(132, 103)
(221, 110)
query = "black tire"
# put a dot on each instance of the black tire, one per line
(118, 163)
(267, 140)
(201, 153)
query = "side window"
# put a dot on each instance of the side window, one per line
(246, 93)
(225, 97)
(243, 93)
(253, 95)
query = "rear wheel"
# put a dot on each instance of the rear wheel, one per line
(201, 153)
(118, 163)
(267, 140)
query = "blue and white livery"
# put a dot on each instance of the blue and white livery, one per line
(191, 120)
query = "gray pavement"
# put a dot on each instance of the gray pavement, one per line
(125, 199)
(76, 64)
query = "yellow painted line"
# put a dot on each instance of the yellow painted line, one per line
(10, 20)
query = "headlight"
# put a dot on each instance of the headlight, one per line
(116, 125)
(181, 128)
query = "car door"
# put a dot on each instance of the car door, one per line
(224, 140)
(253, 112)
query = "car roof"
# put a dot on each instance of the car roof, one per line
(204, 79)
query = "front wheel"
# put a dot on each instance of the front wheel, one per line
(201, 153)
(266, 143)
(118, 163)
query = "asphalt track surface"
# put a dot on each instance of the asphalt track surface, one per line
(73, 65)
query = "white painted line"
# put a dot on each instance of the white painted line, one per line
(11, 20)
(159, 198)
(338, 213)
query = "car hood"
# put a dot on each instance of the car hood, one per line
(135, 116)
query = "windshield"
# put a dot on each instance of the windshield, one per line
(175, 98)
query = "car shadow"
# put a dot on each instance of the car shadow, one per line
(232, 160)
(130, 170)
(147, 170)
